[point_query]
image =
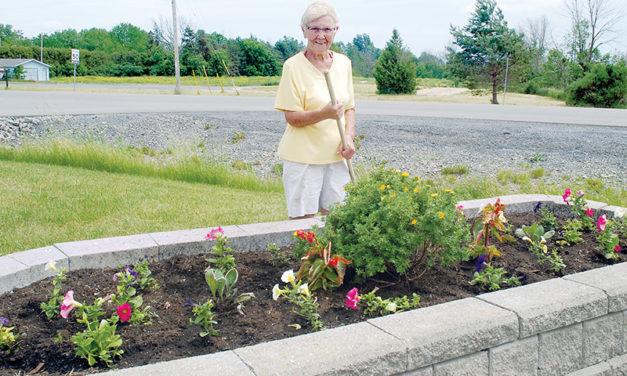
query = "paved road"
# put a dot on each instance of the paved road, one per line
(31, 103)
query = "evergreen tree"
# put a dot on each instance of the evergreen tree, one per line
(395, 72)
(485, 46)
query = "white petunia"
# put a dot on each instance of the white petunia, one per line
(304, 289)
(288, 276)
(391, 307)
(620, 212)
(276, 292)
(52, 265)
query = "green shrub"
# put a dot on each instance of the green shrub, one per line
(455, 170)
(393, 222)
(603, 86)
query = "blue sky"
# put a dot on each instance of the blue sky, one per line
(423, 24)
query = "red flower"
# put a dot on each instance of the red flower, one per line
(617, 248)
(333, 262)
(124, 312)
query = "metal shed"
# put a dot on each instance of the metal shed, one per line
(33, 69)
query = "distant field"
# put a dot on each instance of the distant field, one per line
(429, 90)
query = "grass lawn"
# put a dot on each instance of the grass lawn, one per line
(44, 204)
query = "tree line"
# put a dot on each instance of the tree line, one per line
(127, 50)
(485, 52)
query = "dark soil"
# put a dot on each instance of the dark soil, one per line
(171, 335)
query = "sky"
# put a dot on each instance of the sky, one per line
(424, 25)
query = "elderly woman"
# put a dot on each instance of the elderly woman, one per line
(314, 170)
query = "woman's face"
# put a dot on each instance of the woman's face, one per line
(320, 33)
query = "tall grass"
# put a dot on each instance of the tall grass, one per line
(93, 155)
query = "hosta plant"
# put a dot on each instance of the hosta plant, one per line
(393, 222)
(222, 286)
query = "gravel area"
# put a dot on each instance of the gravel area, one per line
(418, 145)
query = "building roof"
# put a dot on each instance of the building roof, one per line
(12, 63)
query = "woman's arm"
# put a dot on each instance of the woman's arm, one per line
(305, 118)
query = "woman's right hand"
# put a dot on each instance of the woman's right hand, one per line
(333, 111)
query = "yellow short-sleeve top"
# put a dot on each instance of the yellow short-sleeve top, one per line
(303, 88)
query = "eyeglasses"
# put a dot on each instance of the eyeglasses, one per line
(323, 30)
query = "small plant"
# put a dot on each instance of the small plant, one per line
(548, 220)
(8, 340)
(127, 293)
(278, 258)
(608, 239)
(455, 170)
(237, 137)
(554, 259)
(376, 306)
(51, 308)
(210, 126)
(537, 173)
(205, 318)
(298, 294)
(319, 268)
(493, 278)
(537, 157)
(572, 231)
(357, 141)
(579, 208)
(143, 278)
(222, 286)
(98, 344)
(492, 222)
(224, 262)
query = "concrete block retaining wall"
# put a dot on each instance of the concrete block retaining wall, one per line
(575, 325)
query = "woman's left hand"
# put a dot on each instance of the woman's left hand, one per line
(349, 151)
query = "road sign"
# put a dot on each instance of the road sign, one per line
(75, 56)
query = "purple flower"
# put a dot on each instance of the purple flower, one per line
(189, 303)
(129, 270)
(4, 321)
(538, 205)
(480, 263)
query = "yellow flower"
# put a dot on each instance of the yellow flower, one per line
(382, 186)
(414, 221)
(405, 174)
(434, 195)
(440, 215)
(295, 233)
(416, 189)
(448, 191)
(428, 186)
(382, 198)
(407, 189)
(392, 194)
(398, 170)
(387, 186)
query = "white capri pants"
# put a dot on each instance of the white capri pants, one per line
(309, 188)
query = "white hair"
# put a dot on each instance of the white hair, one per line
(319, 9)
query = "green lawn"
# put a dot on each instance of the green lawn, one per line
(43, 204)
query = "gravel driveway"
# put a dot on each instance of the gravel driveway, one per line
(419, 145)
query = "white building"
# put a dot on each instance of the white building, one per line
(33, 69)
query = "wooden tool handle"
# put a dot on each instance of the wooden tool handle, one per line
(341, 127)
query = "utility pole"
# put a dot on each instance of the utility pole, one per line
(175, 42)
(41, 54)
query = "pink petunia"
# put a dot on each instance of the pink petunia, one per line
(589, 212)
(566, 195)
(352, 298)
(212, 234)
(617, 248)
(459, 207)
(579, 193)
(602, 222)
(68, 304)
(124, 312)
